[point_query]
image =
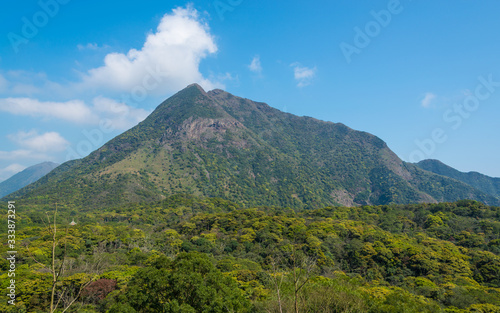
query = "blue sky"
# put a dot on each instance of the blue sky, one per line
(422, 75)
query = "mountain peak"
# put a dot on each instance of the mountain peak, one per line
(197, 86)
(220, 145)
(487, 184)
(25, 177)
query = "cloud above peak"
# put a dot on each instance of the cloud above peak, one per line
(168, 61)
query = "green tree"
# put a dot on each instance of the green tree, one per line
(190, 283)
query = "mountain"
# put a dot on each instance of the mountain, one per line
(26, 177)
(220, 145)
(487, 184)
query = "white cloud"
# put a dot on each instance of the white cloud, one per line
(169, 59)
(427, 100)
(10, 170)
(255, 65)
(119, 115)
(47, 142)
(303, 75)
(74, 111)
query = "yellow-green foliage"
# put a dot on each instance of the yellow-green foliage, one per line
(419, 258)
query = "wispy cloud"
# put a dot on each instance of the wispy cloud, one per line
(427, 100)
(74, 111)
(302, 74)
(120, 115)
(46, 142)
(255, 66)
(10, 170)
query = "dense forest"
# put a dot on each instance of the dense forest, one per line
(189, 254)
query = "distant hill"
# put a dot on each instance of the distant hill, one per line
(216, 144)
(487, 184)
(26, 177)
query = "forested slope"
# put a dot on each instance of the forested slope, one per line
(188, 254)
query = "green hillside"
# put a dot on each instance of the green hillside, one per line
(489, 185)
(218, 145)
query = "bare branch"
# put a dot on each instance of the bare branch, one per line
(82, 287)
(61, 297)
